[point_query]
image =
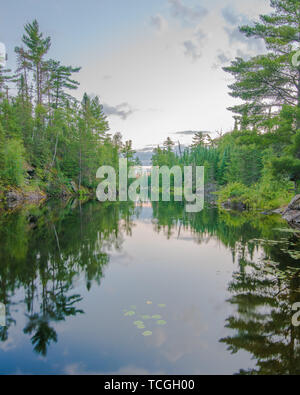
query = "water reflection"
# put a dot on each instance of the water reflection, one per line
(46, 251)
(263, 301)
(43, 251)
(262, 323)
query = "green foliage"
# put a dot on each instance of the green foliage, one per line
(268, 81)
(59, 138)
(235, 192)
(65, 141)
(13, 163)
(268, 194)
(263, 153)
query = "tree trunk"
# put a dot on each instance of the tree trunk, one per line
(298, 100)
(55, 150)
(37, 85)
(80, 164)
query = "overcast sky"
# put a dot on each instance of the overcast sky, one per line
(156, 64)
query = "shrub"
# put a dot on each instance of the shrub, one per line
(13, 158)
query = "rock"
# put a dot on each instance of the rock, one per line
(292, 213)
(280, 210)
(292, 216)
(74, 204)
(30, 170)
(13, 199)
(13, 196)
(16, 198)
(34, 197)
(295, 203)
(234, 205)
(74, 186)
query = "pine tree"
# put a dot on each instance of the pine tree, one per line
(200, 139)
(266, 82)
(23, 72)
(59, 81)
(37, 47)
(169, 144)
(5, 78)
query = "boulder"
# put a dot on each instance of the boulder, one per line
(292, 216)
(16, 198)
(280, 210)
(295, 203)
(234, 205)
(74, 186)
(292, 213)
(13, 196)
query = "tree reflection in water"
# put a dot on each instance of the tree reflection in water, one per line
(263, 299)
(43, 250)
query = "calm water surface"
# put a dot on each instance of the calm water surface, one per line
(146, 290)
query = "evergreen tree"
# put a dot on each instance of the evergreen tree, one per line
(266, 82)
(36, 48)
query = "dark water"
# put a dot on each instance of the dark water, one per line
(124, 290)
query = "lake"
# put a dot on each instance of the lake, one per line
(123, 289)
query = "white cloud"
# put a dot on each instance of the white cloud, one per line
(168, 66)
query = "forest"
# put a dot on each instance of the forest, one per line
(53, 143)
(258, 163)
(148, 287)
(49, 141)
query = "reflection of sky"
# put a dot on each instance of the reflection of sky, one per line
(191, 279)
(144, 213)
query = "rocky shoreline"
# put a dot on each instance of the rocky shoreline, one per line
(13, 197)
(292, 212)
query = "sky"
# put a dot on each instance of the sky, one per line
(155, 64)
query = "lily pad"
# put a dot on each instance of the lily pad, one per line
(129, 313)
(161, 322)
(146, 317)
(162, 305)
(133, 307)
(147, 333)
(138, 323)
(156, 317)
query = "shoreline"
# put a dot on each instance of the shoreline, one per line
(12, 197)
